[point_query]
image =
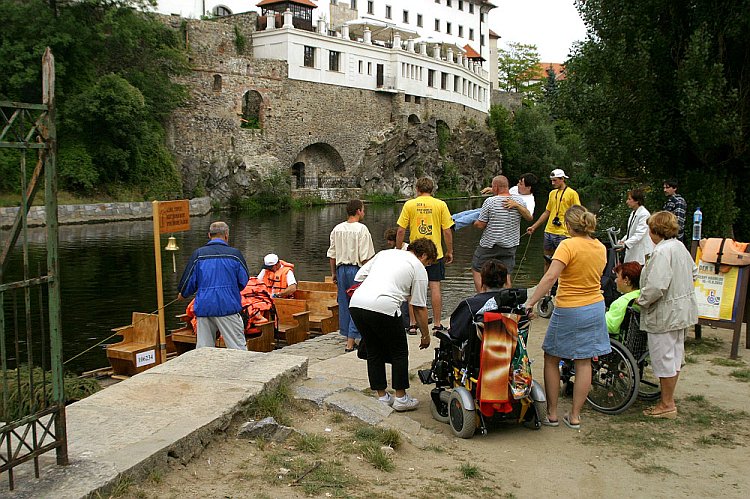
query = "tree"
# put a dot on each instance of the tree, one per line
(517, 66)
(659, 89)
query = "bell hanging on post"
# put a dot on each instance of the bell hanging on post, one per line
(172, 246)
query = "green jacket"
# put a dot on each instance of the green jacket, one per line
(616, 312)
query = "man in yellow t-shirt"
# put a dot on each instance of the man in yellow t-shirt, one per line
(427, 217)
(560, 199)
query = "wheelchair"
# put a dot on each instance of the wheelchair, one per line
(486, 376)
(621, 376)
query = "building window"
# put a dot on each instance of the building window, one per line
(252, 103)
(370, 7)
(471, 8)
(481, 40)
(481, 17)
(456, 83)
(437, 1)
(417, 99)
(419, 20)
(460, 31)
(334, 58)
(388, 12)
(444, 81)
(448, 3)
(309, 57)
(217, 83)
(369, 68)
(407, 98)
(437, 24)
(460, 4)
(354, 4)
(448, 28)
(220, 11)
(471, 33)
(406, 17)
(361, 65)
(430, 77)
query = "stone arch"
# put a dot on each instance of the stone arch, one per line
(217, 83)
(252, 102)
(221, 11)
(318, 165)
(414, 119)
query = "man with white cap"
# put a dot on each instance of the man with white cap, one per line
(560, 199)
(278, 275)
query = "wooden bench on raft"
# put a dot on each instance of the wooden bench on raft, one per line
(138, 349)
(294, 320)
(317, 286)
(184, 338)
(324, 310)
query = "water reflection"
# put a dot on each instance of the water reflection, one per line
(107, 270)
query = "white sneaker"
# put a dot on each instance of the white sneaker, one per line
(405, 403)
(386, 399)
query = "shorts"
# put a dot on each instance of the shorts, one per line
(667, 351)
(552, 241)
(507, 256)
(436, 271)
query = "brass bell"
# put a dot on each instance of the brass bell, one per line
(172, 244)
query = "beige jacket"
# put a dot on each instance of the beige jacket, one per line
(667, 296)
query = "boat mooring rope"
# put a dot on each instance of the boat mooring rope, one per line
(113, 335)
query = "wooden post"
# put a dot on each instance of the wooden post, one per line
(159, 286)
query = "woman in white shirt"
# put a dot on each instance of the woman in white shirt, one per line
(636, 243)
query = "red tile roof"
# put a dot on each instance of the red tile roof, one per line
(541, 73)
(306, 3)
(494, 35)
(471, 53)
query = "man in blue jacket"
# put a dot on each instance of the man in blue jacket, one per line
(216, 273)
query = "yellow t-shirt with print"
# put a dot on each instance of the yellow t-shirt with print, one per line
(426, 217)
(558, 203)
(580, 280)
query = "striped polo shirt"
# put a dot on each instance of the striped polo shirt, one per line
(503, 224)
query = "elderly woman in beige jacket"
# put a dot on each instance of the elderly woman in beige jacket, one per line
(668, 307)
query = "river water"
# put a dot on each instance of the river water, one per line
(108, 270)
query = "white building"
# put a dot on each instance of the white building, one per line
(436, 49)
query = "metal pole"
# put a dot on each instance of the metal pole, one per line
(159, 286)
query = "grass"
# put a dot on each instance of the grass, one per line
(381, 436)
(469, 470)
(741, 375)
(275, 403)
(702, 346)
(375, 455)
(654, 469)
(313, 476)
(64, 197)
(724, 440)
(376, 198)
(311, 444)
(721, 361)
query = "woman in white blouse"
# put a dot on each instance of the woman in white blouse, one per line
(636, 243)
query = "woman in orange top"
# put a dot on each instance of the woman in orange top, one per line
(577, 329)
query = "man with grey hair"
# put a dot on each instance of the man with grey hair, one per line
(500, 218)
(216, 273)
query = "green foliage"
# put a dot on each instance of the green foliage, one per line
(10, 168)
(443, 137)
(449, 179)
(22, 401)
(517, 65)
(114, 89)
(251, 122)
(274, 195)
(240, 40)
(307, 201)
(376, 198)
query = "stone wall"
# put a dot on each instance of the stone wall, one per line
(96, 213)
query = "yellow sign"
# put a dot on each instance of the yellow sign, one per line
(174, 216)
(715, 292)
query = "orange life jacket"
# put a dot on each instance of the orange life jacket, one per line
(276, 281)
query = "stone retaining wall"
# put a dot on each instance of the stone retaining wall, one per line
(97, 213)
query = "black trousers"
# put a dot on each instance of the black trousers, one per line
(384, 338)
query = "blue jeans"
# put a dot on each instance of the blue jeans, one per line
(345, 278)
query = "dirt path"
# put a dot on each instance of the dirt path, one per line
(704, 453)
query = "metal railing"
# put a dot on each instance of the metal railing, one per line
(325, 182)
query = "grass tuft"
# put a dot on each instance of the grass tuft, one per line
(381, 436)
(469, 470)
(721, 361)
(741, 375)
(702, 346)
(311, 444)
(275, 403)
(376, 456)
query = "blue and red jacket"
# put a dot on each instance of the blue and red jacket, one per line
(216, 273)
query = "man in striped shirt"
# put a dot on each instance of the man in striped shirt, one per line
(500, 218)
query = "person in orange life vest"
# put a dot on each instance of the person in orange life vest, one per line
(278, 275)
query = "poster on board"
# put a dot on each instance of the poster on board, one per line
(715, 293)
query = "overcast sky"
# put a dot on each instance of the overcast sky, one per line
(551, 25)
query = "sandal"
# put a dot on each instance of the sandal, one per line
(439, 328)
(569, 424)
(412, 330)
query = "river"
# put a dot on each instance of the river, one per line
(108, 271)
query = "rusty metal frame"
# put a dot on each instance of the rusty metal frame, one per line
(31, 128)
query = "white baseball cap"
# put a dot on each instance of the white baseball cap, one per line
(558, 173)
(270, 260)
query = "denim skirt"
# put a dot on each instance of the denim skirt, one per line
(577, 332)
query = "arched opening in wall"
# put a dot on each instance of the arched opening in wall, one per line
(443, 136)
(251, 105)
(298, 172)
(221, 10)
(217, 83)
(414, 119)
(322, 167)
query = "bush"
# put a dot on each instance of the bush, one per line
(76, 169)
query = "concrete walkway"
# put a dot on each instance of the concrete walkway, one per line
(172, 410)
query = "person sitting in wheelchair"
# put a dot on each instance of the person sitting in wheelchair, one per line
(628, 283)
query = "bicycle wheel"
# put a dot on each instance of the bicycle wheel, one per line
(545, 307)
(649, 387)
(614, 380)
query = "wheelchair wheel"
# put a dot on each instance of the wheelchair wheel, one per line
(439, 412)
(545, 307)
(614, 380)
(539, 414)
(649, 387)
(462, 420)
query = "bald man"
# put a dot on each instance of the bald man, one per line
(500, 219)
